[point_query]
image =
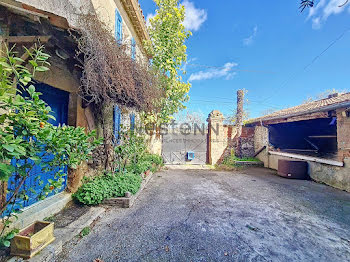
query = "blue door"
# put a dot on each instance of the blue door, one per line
(58, 101)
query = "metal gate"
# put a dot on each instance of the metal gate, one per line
(181, 148)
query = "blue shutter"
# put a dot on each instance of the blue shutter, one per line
(132, 122)
(118, 26)
(116, 123)
(133, 48)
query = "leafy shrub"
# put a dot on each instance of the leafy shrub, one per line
(155, 159)
(144, 163)
(95, 190)
(28, 139)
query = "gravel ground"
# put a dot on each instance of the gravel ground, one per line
(206, 215)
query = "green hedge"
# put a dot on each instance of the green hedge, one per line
(94, 191)
(147, 162)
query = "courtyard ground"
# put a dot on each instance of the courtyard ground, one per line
(206, 215)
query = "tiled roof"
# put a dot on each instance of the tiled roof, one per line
(305, 108)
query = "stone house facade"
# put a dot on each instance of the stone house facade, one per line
(24, 22)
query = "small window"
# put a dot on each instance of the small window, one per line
(118, 26)
(133, 48)
(116, 124)
(132, 122)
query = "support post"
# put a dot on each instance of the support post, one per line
(217, 141)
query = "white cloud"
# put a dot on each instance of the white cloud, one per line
(316, 23)
(148, 17)
(194, 17)
(249, 40)
(188, 62)
(324, 9)
(223, 72)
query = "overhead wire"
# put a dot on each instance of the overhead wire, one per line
(332, 43)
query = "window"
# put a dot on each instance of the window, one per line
(118, 26)
(116, 123)
(132, 122)
(133, 48)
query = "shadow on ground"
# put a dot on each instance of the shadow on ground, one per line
(206, 215)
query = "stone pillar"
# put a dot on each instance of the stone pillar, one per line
(261, 139)
(343, 134)
(217, 141)
(240, 112)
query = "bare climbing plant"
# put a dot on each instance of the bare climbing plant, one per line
(110, 76)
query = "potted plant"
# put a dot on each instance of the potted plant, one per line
(32, 239)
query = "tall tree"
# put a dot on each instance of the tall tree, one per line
(168, 50)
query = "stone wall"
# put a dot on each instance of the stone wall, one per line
(245, 143)
(69, 9)
(261, 139)
(105, 9)
(343, 134)
(217, 140)
(222, 139)
(337, 177)
(154, 142)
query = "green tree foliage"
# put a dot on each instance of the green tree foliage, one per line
(168, 50)
(28, 139)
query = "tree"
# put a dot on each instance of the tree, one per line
(28, 140)
(168, 50)
(310, 3)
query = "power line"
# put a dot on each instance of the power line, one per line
(312, 62)
(233, 101)
(196, 101)
(231, 69)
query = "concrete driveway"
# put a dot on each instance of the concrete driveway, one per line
(205, 215)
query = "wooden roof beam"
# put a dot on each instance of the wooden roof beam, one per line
(25, 39)
(22, 10)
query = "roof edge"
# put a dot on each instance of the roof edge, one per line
(316, 110)
(133, 8)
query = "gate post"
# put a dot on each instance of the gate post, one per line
(217, 141)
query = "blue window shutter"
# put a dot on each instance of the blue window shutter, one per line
(116, 123)
(132, 122)
(118, 26)
(133, 48)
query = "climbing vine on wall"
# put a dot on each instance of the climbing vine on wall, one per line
(109, 74)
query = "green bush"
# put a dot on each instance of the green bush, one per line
(155, 159)
(128, 179)
(95, 190)
(146, 162)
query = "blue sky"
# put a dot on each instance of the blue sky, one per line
(266, 47)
